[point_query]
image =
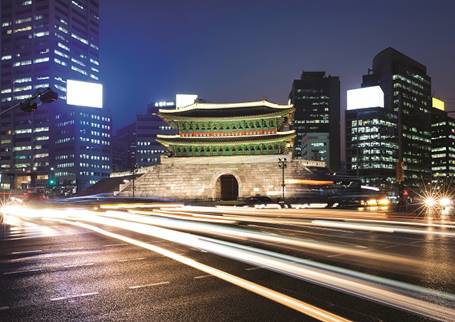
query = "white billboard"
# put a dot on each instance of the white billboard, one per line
(84, 93)
(365, 97)
(182, 100)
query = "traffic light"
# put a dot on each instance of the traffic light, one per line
(51, 182)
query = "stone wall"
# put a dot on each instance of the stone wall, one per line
(198, 178)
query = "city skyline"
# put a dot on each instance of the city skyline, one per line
(201, 51)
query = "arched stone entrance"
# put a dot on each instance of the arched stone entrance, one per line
(227, 187)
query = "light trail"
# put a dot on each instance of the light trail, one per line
(347, 284)
(258, 236)
(263, 291)
(380, 228)
(346, 281)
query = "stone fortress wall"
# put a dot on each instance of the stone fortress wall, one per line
(198, 178)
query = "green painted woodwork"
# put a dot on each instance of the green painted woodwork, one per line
(232, 135)
(228, 149)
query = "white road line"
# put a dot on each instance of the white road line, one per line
(258, 289)
(202, 276)
(4, 308)
(130, 259)
(27, 252)
(78, 265)
(69, 249)
(73, 296)
(252, 268)
(335, 255)
(147, 285)
(22, 271)
(114, 245)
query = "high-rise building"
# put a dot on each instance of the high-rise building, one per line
(135, 145)
(388, 129)
(316, 98)
(45, 43)
(442, 144)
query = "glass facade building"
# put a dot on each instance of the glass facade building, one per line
(316, 98)
(443, 146)
(135, 145)
(44, 44)
(401, 128)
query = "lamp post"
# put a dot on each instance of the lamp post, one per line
(282, 164)
(134, 175)
(31, 104)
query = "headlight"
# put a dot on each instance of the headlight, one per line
(430, 202)
(445, 202)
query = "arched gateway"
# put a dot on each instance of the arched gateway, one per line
(227, 187)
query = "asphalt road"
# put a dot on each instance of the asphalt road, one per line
(51, 271)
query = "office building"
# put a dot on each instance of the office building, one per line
(316, 98)
(45, 43)
(442, 144)
(135, 145)
(388, 123)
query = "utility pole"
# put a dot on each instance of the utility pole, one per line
(282, 164)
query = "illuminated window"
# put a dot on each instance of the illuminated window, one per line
(63, 46)
(19, 21)
(42, 86)
(58, 61)
(41, 60)
(82, 40)
(22, 63)
(41, 33)
(6, 57)
(59, 53)
(77, 69)
(77, 5)
(23, 88)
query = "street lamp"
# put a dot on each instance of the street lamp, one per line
(134, 175)
(31, 104)
(282, 164)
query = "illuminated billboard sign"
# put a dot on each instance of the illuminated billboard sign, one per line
(182, 100)
(365, 97)
(440, 105)
(84, 93)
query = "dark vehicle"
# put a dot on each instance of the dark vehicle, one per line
(338, 191)
(254, 201)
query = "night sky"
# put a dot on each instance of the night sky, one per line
(246, 50)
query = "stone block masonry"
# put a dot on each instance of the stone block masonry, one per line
(202, 178)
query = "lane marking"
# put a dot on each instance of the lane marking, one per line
(286, 300)
(131, 259)
(78, 265)
(22, 271)
(73, 296)
(335, 255)
(27, 252)
(252, 268)
(202, 276)
(70, 249)
(114, 245)
(148, 285)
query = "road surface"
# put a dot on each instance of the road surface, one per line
(142, 263)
